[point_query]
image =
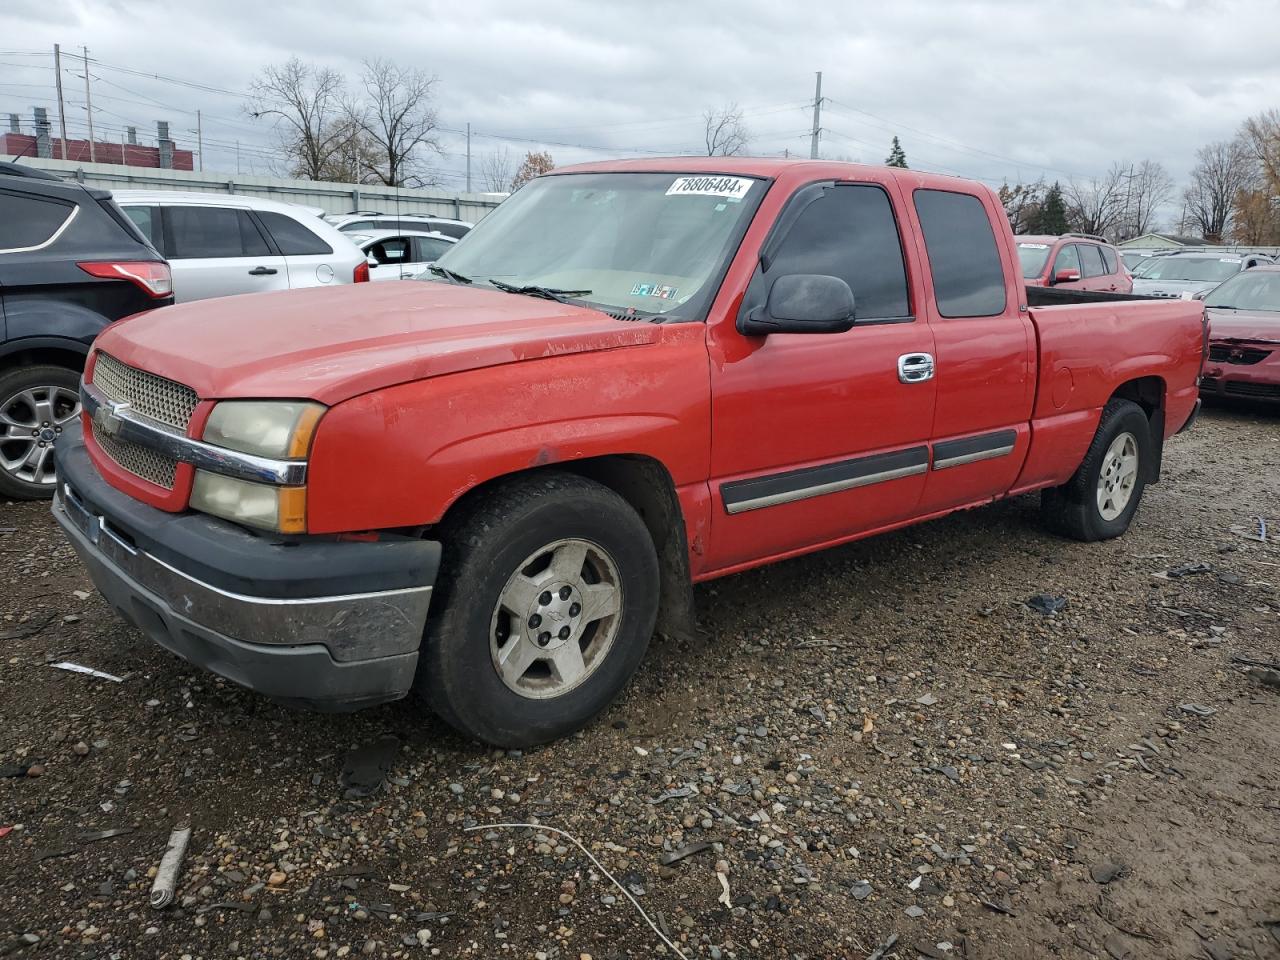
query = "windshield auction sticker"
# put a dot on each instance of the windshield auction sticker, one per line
(731, 188)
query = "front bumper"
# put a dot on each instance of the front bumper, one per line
(335, 625)
(1242, 382)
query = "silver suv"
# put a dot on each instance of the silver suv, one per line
(218, 244)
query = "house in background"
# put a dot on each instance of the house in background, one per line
(1163, 241)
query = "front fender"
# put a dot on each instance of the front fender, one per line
(402, 456)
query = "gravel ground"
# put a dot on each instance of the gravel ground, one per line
(882, 741)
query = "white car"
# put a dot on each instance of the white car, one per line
(218, 245)
(401, 254)
(366, 223)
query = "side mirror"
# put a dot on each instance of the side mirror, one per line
(1066, 276)
(371, 262)
(803, 303)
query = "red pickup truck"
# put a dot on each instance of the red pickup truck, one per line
(489, 488)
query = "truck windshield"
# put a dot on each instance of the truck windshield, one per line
(1033, 256)
(652, 244)
(1192, 268)
(1251, 290)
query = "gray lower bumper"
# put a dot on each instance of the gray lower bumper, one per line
(281, 647)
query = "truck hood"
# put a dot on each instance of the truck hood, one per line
(330, 344)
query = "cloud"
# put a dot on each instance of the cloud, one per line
(991, 88)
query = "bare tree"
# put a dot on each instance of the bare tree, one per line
(1022, 203)
(1261, 137)
(1148, 188)
(725, 133)
(533, 165)
(305, 104)
(1222, 170)
(497, 170)
(1097, 205)
(398, 121)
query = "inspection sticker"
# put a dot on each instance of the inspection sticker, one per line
(731, 188)
(660, 290)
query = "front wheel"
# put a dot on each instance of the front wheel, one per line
(36, 403)
(1100, 499)
(543, 613)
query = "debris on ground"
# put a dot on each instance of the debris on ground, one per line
(1258, 531)
(81, 668)
(1047, 604)
(166, 880)
(1105, 871)
(367, 766)
(1265, 676)
(1185, 570)
(1197, 709)
(688, 850)
(882, 951)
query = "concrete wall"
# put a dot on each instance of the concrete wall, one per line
(332, 197)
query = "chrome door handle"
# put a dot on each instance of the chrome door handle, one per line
(915, 367)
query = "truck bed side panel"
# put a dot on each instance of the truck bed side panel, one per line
(1088, 351)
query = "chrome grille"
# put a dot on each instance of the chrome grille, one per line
(164, 400)
(140, 461)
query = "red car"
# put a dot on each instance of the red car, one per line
(1074, 261)
(492, 487)
(1244, 336)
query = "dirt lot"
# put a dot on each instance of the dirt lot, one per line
(879, 741)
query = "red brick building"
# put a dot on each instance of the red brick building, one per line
(131, 154)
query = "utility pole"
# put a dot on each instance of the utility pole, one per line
(817, 118)
(237, 157)
(62, 110)
(468, 158)
(88, 107)
(200, 140)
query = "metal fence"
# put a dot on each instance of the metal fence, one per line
(332, 197)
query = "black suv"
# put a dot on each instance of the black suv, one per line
(70, 263)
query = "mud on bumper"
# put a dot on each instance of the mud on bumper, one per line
(332, 625)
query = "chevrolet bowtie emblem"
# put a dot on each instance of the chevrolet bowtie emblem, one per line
(107, 420)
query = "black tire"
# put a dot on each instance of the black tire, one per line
(484, 546)
(1072, 509)
(13, 383)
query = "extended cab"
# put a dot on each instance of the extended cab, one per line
(488, 488)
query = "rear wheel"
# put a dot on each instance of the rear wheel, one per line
(543, 612)
(1100, 499)
(36, 404)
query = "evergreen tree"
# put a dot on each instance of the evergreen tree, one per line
(896, 158)
(1051, 218)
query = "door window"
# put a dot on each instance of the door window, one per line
(968, 280)
(850, 232)
(147, 219)
(293, 238)
(30, 221)
(212, 232)
(1091, 260)
(430, 248)
(393, 250)
(1068, 259)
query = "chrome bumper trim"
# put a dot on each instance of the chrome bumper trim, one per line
(352, 626)
(118, 419)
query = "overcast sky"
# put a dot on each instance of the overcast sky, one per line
(997, 89)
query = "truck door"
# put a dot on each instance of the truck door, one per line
(984, 351)
(818, 437)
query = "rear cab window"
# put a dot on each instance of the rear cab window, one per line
(293, 238)
(31, 221)
(968, 278)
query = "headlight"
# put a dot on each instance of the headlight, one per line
(267, 428)
(283, 509)
(280, 429)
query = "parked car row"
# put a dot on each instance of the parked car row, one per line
(74, 259)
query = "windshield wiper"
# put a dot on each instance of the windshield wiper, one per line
(533, 290)
(448, 274)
